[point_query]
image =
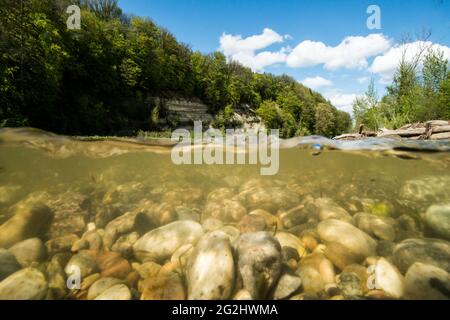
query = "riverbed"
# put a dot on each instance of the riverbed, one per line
(118, 220)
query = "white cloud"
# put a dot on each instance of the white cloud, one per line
(342, 101)
(235, 44)
(244, 49)
(363, 80)
(351, 53)
(386, 64)
(316, 82)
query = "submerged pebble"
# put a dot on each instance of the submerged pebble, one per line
(429, 251)
(28, 221)
(259, 256)
(159, 244)
(357, 242)
(427, 282)
(8, 264)
(26, 284)
(437, 218)
(211, 269)
(314, 231)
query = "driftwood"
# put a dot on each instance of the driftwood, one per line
(434, 130)
(441, 136)
(349, 136)
(401, 133)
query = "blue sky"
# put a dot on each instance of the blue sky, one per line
(323, 43)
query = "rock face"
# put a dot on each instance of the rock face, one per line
(8, 264)
(356, 241)
(429, 251)
(27, 222)
(427, 282)
(26, 284)
(159, 244)
(259, 262)
(185, 112)
(28, 251)
(437, 218)
(211, 272)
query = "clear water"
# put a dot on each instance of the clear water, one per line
(387, 177)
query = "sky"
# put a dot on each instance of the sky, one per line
(325, 44)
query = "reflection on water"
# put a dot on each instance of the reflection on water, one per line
(120, 209)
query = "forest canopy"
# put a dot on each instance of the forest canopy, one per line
(102, 79)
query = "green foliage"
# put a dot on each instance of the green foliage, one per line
(444, 98)
(365, 109)
(104, 9)
(324, 120)
(412, 96)
(270, 113)
(225, 119)
(343, 122)
(103, 78)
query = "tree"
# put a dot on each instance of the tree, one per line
(113, 75)
(104, 9)
(343, 122)
(434, 70)
(291, 103)
(325, 124)
(365, 109)
(444, 98)
(270, 113)
(433, 73)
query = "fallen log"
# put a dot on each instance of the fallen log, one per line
(348, 136)
(434, 129)
(440, 136)
(441, 129)
(402, 133)
(438, 122)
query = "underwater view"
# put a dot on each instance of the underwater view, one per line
(117, 220)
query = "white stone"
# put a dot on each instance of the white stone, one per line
(355, 240)
(211, 270)
(159, 244)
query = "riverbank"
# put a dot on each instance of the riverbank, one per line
(430, 130)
